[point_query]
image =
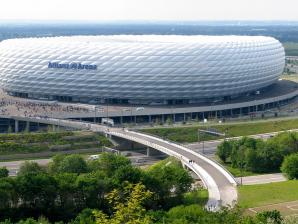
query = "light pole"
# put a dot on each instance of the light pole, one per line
(107, 105)
(131, 114)
(199, 138)
(95, 114)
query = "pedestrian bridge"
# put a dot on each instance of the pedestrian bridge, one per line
(220, 183)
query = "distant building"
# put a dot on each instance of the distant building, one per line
(152, 69)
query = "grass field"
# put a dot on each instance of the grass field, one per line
(267, 194)
(291, 48)
(190, 134)
(199, 196)
(237, 172)
(45, 144)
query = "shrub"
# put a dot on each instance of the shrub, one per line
(3, 172)
(290, 166)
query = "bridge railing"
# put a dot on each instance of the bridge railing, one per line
(219, 166)
(214, 195)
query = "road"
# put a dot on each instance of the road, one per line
(211, 146)
(14, 166)
(220, 184)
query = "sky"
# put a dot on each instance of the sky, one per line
(152, 10)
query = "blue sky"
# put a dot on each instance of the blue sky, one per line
(149, 10)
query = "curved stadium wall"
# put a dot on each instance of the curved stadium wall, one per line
(139, 67)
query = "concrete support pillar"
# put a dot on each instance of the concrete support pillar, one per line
(184, 117)
(16, 126)
(135, 119)
(174, 118)
(149, 118)
(163, 118)
(121, 120)
(148, 151)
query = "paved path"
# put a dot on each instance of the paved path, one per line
(227, 190)
(262, 179)
(220, 184)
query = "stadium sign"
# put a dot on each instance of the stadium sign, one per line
(75, 66)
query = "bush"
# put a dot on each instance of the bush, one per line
(290, 166)
(257, 155)
(3, 172)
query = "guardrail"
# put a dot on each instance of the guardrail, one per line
(214, 194)
(221, 168)
(214, 201)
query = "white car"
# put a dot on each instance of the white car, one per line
(93, 157)
(140, 108)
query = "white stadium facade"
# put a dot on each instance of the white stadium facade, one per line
(144, 69)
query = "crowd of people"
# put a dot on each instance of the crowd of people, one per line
(11, 106)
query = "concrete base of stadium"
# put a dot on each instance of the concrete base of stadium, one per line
(278, 95)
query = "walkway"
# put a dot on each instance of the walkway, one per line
(262, 179)
(220, 184)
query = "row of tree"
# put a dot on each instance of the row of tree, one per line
(70, 184)
(258, 155)
(109, 191)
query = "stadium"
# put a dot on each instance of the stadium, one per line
(140, 69)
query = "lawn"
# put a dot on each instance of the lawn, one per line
(30, 143)
(199, 196)
(266, 194)
(236, 172)
(291, 48)
(190, 134)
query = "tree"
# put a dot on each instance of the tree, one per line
(251, 160)
(67, 194)
(30, 168)
(71, 164)
(170, 181)
(128, 206)
(85, 217)
(224, 150)
(54, 166)
(287, 141)
(110, 162)
(41, 220)
(169, 121)
(37, 191)
(3, 172)
(8, 195)
(126, 173)
(290, 166)
(91, 190)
